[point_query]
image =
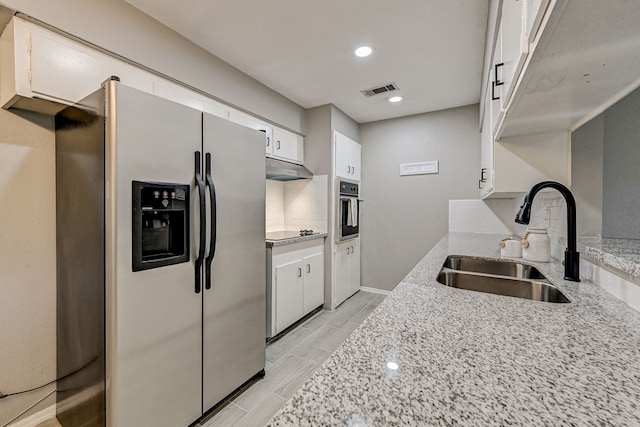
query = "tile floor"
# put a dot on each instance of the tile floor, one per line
(290, 362)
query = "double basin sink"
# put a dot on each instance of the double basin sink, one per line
(508, 278)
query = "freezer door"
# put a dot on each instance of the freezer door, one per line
(235, 305)
(153, 317)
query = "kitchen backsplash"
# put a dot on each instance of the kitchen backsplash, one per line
(274, 206)
(496, 216)
(297, 205)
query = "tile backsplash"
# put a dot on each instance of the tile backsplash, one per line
(297, 205)
(496, 216)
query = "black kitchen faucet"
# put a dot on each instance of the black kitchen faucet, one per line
(571, 254)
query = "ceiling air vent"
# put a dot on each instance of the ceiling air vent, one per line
(381, 89)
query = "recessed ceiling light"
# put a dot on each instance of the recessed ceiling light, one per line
(363, 51)
(395, 99)
(392, 365)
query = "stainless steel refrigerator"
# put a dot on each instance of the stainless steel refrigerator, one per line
(161, 259)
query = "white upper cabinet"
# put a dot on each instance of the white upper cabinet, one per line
(278, 143)
(347, 157)
(485, 181)
(565, 61)
(43, 71)
(535, 13)
(514, 46)
(509, 55)
(496, 85)
(288, 146)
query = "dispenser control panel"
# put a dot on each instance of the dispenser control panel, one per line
(160, 224)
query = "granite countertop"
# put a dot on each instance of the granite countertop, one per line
(622, 254)
(279, 238)
(470, 358)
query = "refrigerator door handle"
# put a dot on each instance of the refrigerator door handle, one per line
(214, 215)
(203, 219)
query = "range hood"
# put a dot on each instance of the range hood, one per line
(279, 170)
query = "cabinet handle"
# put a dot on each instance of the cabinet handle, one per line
(299, 272)
(347, 250)
(480, 182)
(308, 268)
(277, 144)
(482, 172)
(495, 73)
(352, 251)
(493, 92)
(268, 142)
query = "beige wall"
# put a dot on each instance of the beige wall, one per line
(404, 216)
(27, 259)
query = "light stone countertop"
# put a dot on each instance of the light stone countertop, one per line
(622, 254)
(281, 242)
(470, 358)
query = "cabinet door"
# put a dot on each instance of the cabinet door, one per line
(354, 268)
(313, 281)
(342, 156)
(514, 46)
(289, 294)
(347, 157)
(486, 150)
(288, 146)
(497, 84)
(535, 13)
(355, 153)
(341, 284)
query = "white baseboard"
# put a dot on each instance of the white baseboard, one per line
(375, 290)
(46, 414)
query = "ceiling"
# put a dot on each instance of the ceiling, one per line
(303, 49)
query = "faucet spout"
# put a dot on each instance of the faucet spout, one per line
(571, 254)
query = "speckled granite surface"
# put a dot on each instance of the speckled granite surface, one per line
(282, 242)
(469, 358)
(623, 254)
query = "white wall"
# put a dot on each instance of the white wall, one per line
(297, 205)
(403, 217)
(120, 28)
(27, 259)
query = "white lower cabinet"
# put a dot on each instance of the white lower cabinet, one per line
(295, 283)
(347, 270)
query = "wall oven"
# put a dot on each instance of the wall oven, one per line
(348, 211)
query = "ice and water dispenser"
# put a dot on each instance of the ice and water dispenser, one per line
(160, 224)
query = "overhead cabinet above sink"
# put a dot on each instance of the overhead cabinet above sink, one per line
(555, 64)
(561, 62)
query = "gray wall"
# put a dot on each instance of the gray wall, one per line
(344, 124)
(586, 176)
(403, 217)
(621, 169)
(120, 28)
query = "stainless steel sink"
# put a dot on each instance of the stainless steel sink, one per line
(499, 277)
(494, 266)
